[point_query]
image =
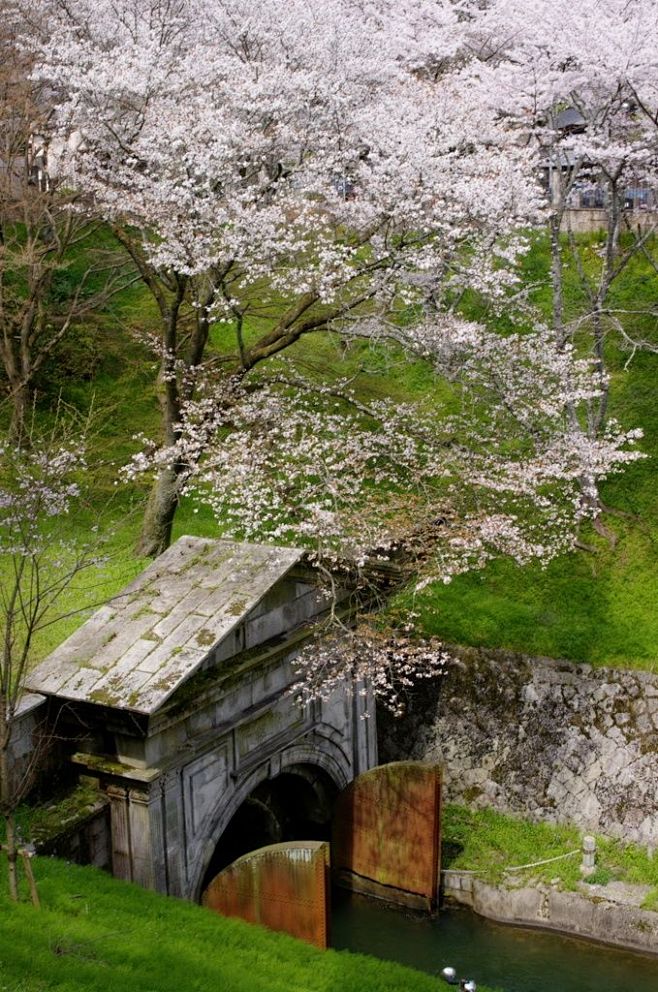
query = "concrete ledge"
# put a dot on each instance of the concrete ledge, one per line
(593, 917)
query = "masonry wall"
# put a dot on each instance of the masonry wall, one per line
(25, 737)
(541, 738)
(87, 841)
(587, 220)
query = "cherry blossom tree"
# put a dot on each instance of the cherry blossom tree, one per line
(285, 168)
(580, 82)
(362, 484)
(440, 493)
(293, 462)
(274, 169)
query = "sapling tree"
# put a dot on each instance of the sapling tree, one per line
(39, 560)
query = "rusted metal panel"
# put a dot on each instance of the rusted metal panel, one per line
(386, 833)
(283, 887)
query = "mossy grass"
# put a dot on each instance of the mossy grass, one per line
(44, 821)
(489, 842)
(96, 934)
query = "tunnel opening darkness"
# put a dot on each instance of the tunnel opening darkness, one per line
(295, 805)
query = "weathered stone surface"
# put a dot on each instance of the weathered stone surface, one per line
(177, 700)
(25, 733)
(604, 913)
(86, 841)
(134, 653)
(541, 738)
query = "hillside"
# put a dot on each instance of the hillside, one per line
(95, 934)
(594, 605)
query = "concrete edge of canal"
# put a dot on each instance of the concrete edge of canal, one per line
(598, 916)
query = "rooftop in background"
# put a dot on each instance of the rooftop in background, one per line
(569, 119)
(136, 651)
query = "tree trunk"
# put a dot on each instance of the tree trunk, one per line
(12, 857)
(163, 499)
(159, 514)
(21, 399)
(556, 278)
(6, 804)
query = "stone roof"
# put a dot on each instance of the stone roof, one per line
(137, 650)
(570, 118)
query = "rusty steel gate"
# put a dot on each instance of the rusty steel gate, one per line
(283, 886)
(386, 834)
(385, 842)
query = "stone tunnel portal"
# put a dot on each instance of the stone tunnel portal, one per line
(182, 686)
(298, 804)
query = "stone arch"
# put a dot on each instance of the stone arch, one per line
(318, 762)
(322, 752)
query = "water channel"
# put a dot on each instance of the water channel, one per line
(501, 957)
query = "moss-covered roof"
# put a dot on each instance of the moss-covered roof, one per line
(137, 650)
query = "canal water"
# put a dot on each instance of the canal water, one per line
(501, 957)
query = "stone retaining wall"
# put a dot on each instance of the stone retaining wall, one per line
(86, 840)
(541, 738)
(595, 918)
(587, 220)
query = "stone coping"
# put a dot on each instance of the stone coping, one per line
(611, 917)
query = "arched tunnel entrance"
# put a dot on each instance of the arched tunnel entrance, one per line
(295, 805)
(294, 834)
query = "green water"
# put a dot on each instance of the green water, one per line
(501, 957)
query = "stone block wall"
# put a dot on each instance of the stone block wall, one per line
(588, 220)
(25, 738)
(541, 738)
(86, 841)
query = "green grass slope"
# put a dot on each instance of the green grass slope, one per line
(490, 843)
(597, 606)
(95, 934)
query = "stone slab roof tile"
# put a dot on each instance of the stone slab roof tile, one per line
(138, 649)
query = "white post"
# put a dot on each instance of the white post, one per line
(589, 855)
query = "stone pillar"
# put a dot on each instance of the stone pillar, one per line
(136, 835)
(171, 828)
(142, 855)
(588, 864)
(119, 832)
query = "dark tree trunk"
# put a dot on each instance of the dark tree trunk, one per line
(556, 278)
(21, 399)
(6, 804)
(12, 857)
(163, 499)
(159, 514)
